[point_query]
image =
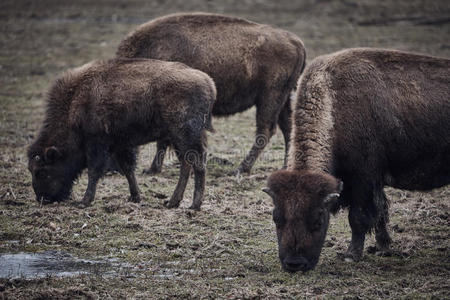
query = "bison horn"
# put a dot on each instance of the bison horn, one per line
(331, 202)
(340, 186)
(330, 198)
(268, 191)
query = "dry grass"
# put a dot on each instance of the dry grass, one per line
(228, 250)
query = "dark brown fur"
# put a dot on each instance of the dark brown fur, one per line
(107, 108)
(371, 118)
(305, 222)
(251, 64)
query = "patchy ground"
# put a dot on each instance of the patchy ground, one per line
(228, 250)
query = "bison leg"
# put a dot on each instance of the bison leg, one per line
(383, 240)
(199, 177)
(93, 178)
(177, 196)
(284, 122)
(96, 163)
(126, 160)
(266, 120)
(161, 148)
(362, 216)
(355, 249)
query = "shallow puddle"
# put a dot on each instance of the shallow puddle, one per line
(63, 264)
(49, 263)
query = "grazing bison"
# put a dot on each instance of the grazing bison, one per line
(108, 108)
(251, 64)
(368, 118)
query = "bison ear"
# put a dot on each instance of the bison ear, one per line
(340, 186)
(331, 201)
(269, 192)
(51, 154)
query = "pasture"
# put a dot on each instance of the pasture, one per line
(229, 248)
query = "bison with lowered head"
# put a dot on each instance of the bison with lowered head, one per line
(367, 118)
(107, 108)
(251, 64)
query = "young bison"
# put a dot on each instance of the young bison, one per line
(370, 118)
(251, 64)
(107, 108)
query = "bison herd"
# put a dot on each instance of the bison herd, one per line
(361, 119)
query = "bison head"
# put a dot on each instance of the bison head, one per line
(302, 202)
(52, 174)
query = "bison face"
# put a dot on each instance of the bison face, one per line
(51, 180)
(301, 215)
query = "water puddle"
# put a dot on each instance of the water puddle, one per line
(52, 263)
(61, 264)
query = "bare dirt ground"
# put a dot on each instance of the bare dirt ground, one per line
(229, 249)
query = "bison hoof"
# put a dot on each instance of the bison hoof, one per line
(195, 207)
(383, 253)
(372, 249)
(135, 199)
(83, 205)
(151, 171)
(352, 257)
(239, 171)
(349, 257)
(171, 204)
(86, 202)
(379, 251)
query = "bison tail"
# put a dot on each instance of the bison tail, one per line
(208, 123)
(213, 98)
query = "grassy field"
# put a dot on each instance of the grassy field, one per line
(227, 250)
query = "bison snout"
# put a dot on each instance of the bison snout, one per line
(44, 199)
(297, 263)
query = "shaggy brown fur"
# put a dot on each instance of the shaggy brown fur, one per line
(301, 218)
(371, 118)
(110, 107)
(251, 64)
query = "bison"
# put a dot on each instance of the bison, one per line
(368, 118)
(106, 109)
(251, 65)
